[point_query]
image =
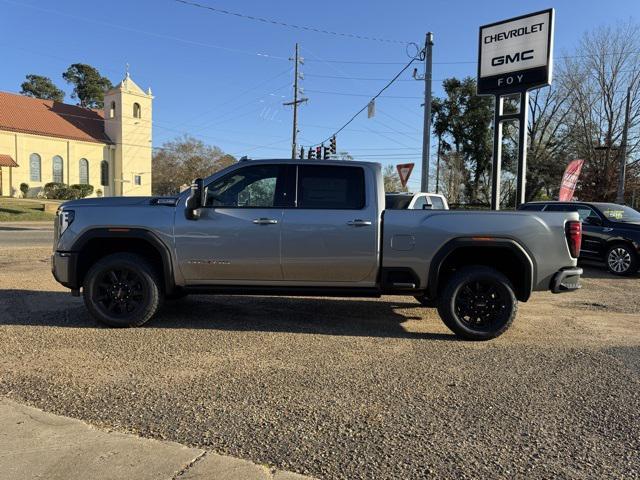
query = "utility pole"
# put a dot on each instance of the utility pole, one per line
(438, 164)
(623, 148)
(297, 61)
(426, 129)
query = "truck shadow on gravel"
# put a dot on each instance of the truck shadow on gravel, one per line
(325, 316)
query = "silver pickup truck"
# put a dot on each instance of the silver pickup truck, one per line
(289, 227)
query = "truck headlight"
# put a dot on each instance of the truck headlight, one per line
(65, 218)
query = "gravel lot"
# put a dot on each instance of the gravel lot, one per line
(342, 388)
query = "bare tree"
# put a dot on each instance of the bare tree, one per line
(392, 181)
(596, 80)
(181, 160)
(549, 148)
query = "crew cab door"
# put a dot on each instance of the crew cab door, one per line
(237, 237)
(332, 237)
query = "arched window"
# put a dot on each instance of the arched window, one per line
(58, 169)
(112, 110)
(84, 171)
(137, 111)
(34, 166)
(104, 173)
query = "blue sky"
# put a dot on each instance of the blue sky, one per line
(223, 79)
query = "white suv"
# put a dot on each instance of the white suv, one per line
(415, 201)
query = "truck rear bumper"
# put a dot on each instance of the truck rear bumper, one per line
(63, 267)
(566, 280)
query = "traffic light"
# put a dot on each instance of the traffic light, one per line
(301, 152)
(311, 153)
(318, 152)
(325, 152)
(332, 145)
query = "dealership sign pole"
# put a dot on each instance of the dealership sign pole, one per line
(514, 56)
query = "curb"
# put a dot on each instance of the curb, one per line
(36, 444)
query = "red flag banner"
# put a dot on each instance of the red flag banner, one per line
(404, 171)
(569, 180)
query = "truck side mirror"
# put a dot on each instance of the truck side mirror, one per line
(195, 200)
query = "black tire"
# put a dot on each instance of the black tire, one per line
(621, 260)
(478, 303)
(122, 290)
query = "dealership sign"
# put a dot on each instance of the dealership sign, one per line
(515, 55)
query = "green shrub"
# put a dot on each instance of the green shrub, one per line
(81, 190)
(24, 188)
(61, 191)
(56, 191)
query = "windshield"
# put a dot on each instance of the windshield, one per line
(397, 202)
(618, 213)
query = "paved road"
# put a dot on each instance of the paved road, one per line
(26, 234)
(342, 388)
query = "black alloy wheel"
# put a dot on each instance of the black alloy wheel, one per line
(478, 303)
(482, 303)
(119, 292)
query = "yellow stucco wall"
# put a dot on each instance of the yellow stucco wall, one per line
(20, 146)
(129, 154)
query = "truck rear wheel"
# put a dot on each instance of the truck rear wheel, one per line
(478, 303)
(122, 290)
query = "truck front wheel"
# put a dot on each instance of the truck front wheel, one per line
(122, 290)
(478, 303)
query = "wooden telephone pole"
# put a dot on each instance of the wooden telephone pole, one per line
(295, 102)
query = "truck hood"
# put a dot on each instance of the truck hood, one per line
(119, 201)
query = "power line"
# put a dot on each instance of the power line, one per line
(244, 92)
(465, 62)
(350, 94)
(372, 99)
(337, 77)
(326, 127)
(289, 25)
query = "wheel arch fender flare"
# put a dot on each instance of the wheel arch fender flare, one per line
(123, 233)
(448, 249)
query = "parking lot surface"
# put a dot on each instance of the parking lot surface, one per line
(342, 388)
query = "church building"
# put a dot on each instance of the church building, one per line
(44, 141)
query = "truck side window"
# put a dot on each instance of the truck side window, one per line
(587, 215)
(331, 187)
(420, 201)
(256, 186)
(437, 203)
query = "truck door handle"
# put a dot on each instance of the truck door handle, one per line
(265, 221)
(359, 223)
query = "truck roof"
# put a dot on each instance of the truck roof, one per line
(310, 161)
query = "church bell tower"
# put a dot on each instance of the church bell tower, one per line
(128, 123)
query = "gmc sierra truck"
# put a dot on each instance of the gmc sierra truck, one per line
(305, 227)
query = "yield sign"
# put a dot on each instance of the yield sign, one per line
(404, 171)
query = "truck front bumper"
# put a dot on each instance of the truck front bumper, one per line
(64, 269)
(566, 280)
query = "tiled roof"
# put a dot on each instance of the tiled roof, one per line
(7, 161)
(53, 119)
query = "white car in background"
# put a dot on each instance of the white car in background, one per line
(415, 201)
